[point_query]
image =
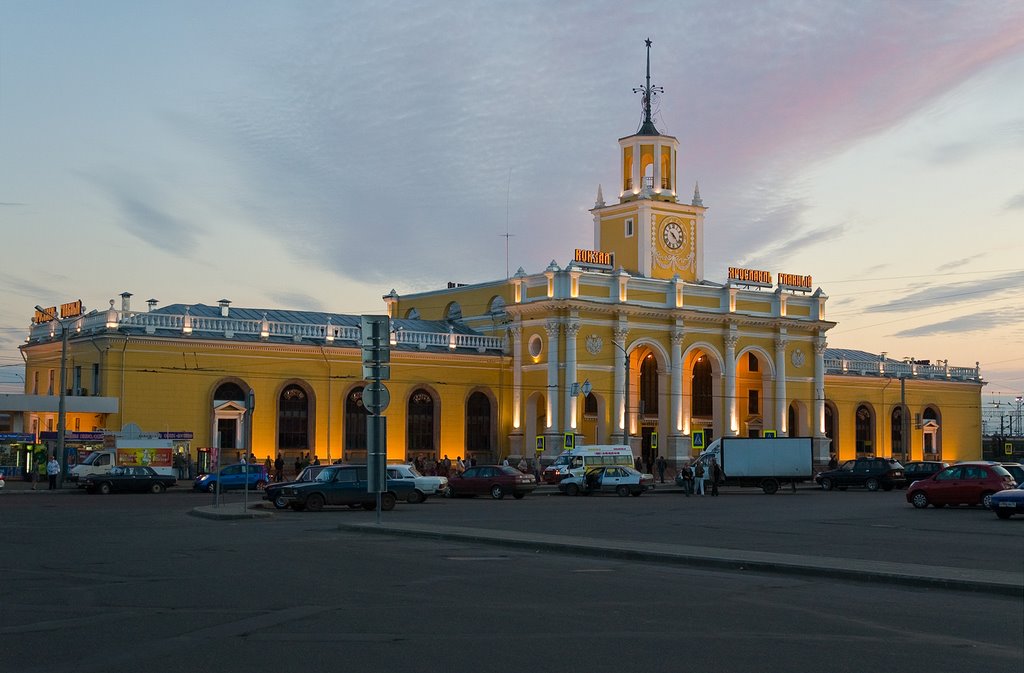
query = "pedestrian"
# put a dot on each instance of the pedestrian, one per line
(278, 468)
(698, 478)
(52, 470)
(638, 464)
(662, 464)
(717, 475)
(460, 466)
(535, 463)
(188, 465)
(522, 466)
(298, 465)
(833, 462)
(649, 463)
(446, 466)
(687, 474)
(505, 462)
(316, 459)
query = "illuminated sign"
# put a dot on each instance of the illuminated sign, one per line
(792, 281)
(750, 277)
(72, 309)
(46, 315)
(594, 258)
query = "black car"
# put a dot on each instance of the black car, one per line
(272, 492)
(128, 479)
(343, 485)
(922, 469)
(869, 473)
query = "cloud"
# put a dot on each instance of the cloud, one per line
(1016, 202)
(155, 227)
(296, 301)
(973, 322)
(952, 293)
(956, 264)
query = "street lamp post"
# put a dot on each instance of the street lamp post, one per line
(62, 401)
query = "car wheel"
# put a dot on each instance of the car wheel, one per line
(280, 502)
(518, 496)
(211, 487)
(156, 488)
(622, 491)
(497, 492)
(103, 489)
(260, 485)
(919, 500)
(871, 484)
(387, 502)
(315, 502)
(770, 486)
(986, 500)
(572, 489)
(416, 498)
(826, 484)
(1004, 513)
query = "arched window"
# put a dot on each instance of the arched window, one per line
(590, 406)
(293, 419)
(229, 391)
(478, 423)
(793, 422)
(896, 430)
(355, 421)
(701, 401)
(931, 431)
(865, 431)
(830, 427)
(420, 424)
(454, 311)
(649, 386)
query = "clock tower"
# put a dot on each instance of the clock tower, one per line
(650, 232)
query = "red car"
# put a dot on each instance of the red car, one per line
(493, 480)
(961, 484)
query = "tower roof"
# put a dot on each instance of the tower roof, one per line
(647, 92)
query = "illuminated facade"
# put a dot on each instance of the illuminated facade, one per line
(486, 369)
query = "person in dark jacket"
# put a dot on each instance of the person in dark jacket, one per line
(661, 464)
(717, 475)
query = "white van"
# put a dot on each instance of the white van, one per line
(577, 461)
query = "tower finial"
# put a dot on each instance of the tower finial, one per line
(600, 198)
(647, 92)
(696, 195)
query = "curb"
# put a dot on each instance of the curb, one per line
(229, 512)
(982, 581)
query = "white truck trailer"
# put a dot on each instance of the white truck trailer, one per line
(763, 462)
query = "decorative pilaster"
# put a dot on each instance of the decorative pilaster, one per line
(781, 417)
(677, 381)
(553, 329)
(517, 375)
(619, 335)
(819, 386)
(572, 328)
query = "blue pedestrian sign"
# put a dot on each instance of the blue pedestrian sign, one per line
(697, 439)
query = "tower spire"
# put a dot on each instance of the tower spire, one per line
(647, 92)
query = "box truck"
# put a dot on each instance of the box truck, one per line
(763, 462)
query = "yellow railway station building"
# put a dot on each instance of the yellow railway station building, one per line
(625, 340)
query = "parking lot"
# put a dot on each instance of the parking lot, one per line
(100, 583)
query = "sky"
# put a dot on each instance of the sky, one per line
(315, 155)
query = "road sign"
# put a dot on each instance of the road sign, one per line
(569, 441)
(540, 443)
(586, 387)
(697, 439)
(654, 440)
(1008, 448)
(769, 434)
(376, 397)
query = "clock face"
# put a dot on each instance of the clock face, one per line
(672, 234)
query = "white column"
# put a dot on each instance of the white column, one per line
(551, 399)
(677, 383)
(732, 423)
(781, 415)
(619, 413)
(517, 376)
(571, 330)
(657, 167)
(819, 387)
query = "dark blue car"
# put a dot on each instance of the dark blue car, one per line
(233, 477)
(1009, 502)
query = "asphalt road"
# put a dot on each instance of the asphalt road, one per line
(120, 583)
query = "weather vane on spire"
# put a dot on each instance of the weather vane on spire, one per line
(647, 94)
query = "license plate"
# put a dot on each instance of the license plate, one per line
(1007, 504)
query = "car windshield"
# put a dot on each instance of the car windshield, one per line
(561, 460)
(117, 471)
(413, 471)
(91, 458)
(325, 475)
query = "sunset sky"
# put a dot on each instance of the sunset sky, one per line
(315, 155)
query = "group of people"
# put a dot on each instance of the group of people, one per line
(695, 475)
(442, 467)
(659, 464)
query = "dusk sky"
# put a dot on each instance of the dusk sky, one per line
(315, 155)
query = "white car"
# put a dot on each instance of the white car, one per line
(424, 486)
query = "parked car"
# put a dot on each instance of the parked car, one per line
(970, 483)
(233, 477)
(1016, 470)
(496, 480)
(127, 479)
(612, 479)
(272, 491)
(340, 485)
(1009, 502)
(423, 486)
(922, 469)
(869, 473)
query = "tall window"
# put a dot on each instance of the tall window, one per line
(896, 424)
(865, 433)
(293, 419)
(793, 422)
(96, 378)
(420, 424)
(701, 400)
(590, 406)
(355, 421)
(752, 362)
(649, 386)
(229, 391)
(752, 402)
(830, 427)
(478, 423)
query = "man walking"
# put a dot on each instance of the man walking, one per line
(52, 470)
(279, 468)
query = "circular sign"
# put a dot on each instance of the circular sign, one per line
(376, 397)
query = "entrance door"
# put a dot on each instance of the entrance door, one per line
(646, 451)
(227, 431)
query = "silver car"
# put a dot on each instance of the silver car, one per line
(616, 479)
(425, 486)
